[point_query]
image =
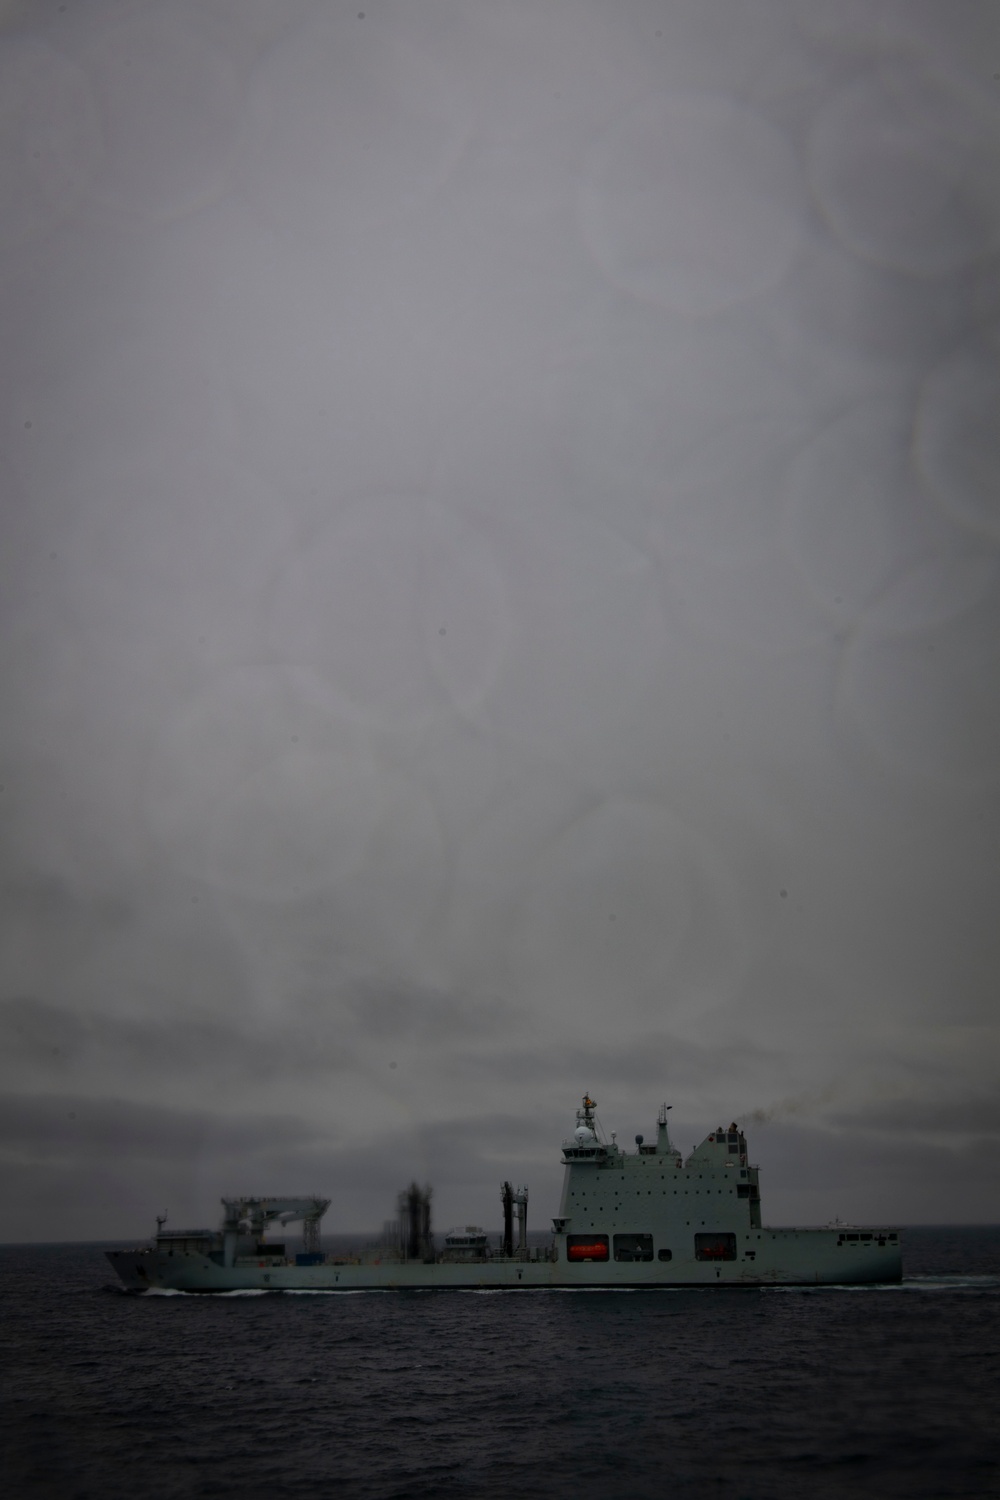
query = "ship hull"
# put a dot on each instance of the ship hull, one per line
(781, 1257)
(642, 1219)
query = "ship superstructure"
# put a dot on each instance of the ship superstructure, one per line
(656, 1202)
(642, 1218)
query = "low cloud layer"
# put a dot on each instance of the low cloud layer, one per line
(106, 1169)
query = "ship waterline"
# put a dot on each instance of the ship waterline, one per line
(641, 1219)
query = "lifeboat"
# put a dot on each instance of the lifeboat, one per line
(597, 1250)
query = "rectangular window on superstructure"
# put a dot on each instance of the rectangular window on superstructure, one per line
(715, 1247)
(633, 1247)
(586, 1247)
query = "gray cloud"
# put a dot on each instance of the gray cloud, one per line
(103, 1168)
(78, 1129)
(50, 1039)
(873, 1175)
(976, 1118)
(397, 1013)
(500, 590)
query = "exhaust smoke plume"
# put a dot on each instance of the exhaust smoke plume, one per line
(793, 1107)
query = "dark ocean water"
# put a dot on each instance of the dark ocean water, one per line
(741, 1395)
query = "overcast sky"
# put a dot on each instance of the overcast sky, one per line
(499, 584)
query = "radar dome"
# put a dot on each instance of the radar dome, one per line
(583, 1134)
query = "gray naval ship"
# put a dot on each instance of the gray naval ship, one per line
(642, 1218)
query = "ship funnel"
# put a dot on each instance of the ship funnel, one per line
(521, 1208)
(414, 1209)
(507, 1198)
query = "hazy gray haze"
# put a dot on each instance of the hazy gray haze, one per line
(499, 579)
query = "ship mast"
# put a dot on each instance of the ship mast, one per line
(662, 1133)
(585, 1115)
